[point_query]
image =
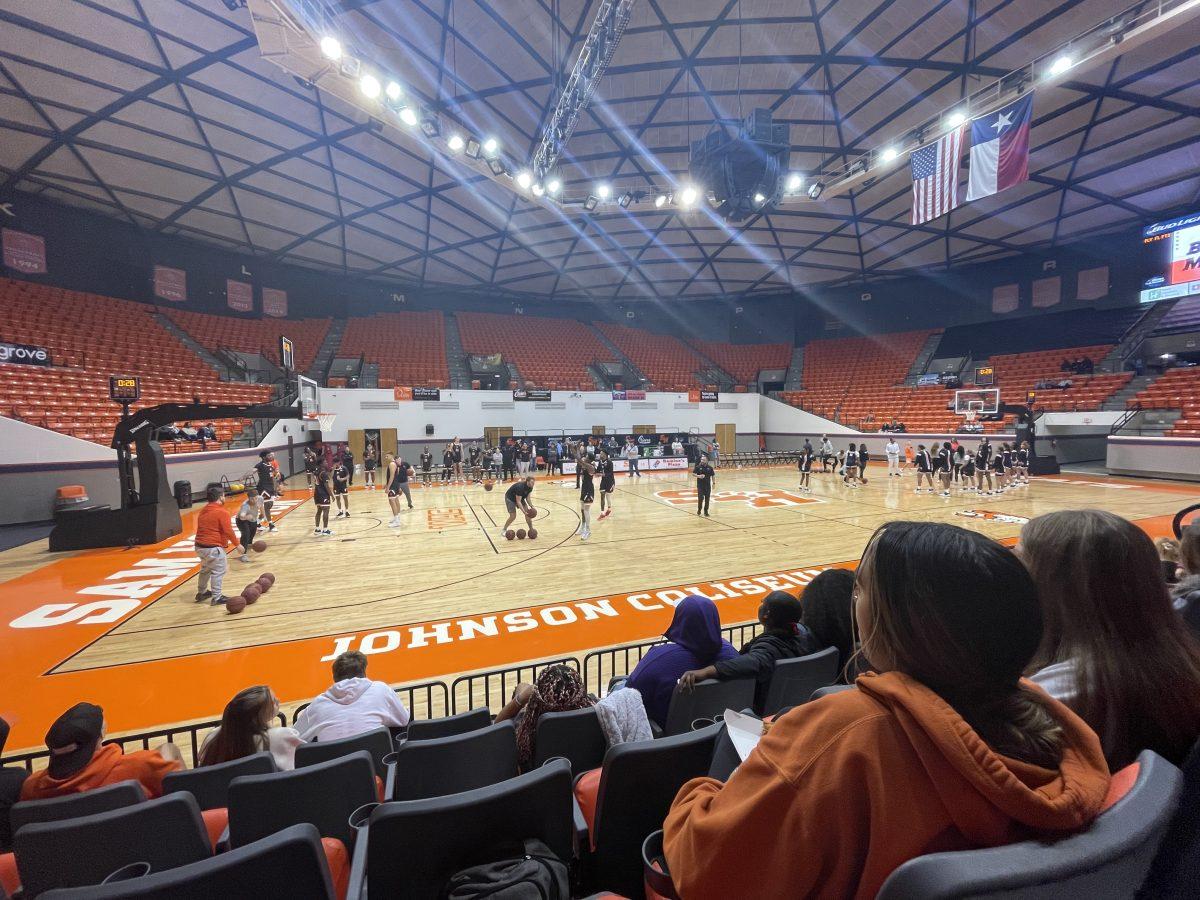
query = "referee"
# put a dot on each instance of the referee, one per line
(704, 478)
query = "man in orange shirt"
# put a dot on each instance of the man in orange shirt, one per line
(79, 762)
(213, 534)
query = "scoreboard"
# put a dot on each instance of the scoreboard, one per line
(985, 376)
(124, 388)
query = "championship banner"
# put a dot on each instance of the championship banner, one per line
(426, 393)
(26, 253)
(531, 394)
(274, 302)
(402, 393)
(170, 284)
(24, 354)
(239, 295)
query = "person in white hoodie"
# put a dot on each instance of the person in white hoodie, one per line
(353, 704)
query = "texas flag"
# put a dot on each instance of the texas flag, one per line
(1000, 149)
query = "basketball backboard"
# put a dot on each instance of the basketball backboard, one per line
(983, 401)
(310, 395)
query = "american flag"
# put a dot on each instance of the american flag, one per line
(935, 177)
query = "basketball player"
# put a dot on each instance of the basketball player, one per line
(1022, 462)
(908, 456)
(341, 489)
(370, 464)
(266, 485)
(473, 456)
(398, 472)
(608, 483)
(804, 464)
(945, 467)
(704, 479)
(850, 467)
(892, 452)
(863, 456)
(517, 497)
(310, 465)
(426, 467)
(348, 461)
(983, 461)
(448, 463)
(456, 452)
(584, 470)
(1000, 468)
(924, 464)
(968, 471)
(322, 494)
(960, 459)
(826, 454)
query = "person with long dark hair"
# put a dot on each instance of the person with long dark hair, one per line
(557, 689)
(828, 613)
(247, 728)
(946, 748)
(1113, 648)
(693, 641)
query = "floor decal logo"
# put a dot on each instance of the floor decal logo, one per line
(767, 499)
(990, 516)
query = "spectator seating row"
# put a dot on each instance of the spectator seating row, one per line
(745, 361)
(1175, 389)
(666, 361)
(1019, 373)
(409, 347)
(1183, 316)
(91, 337)
(549, 353)
(254, 335)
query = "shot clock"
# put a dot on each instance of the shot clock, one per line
(124, 388)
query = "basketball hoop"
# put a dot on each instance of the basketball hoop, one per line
(323, 421)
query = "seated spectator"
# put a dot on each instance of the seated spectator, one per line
(558, 689)
(828, 604)
(946, 749)
(693, 642)
(246, 728)
(1168, 558)
(1112, 648)
(352, 705)
(168, 433)
(783, 637)
(11, 779)
(1186, 594)
(80, 762)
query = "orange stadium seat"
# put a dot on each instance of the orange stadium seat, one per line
(745, 361)
(1176, 389)
(667, 362)
(91, 337)
(549, 353)
(409, 347)
(254, 335)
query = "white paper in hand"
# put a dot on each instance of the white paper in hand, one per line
(744, 731)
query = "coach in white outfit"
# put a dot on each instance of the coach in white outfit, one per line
(353, 705)
(892, 451)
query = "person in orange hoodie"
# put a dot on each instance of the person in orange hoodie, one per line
(80, 762)
(214, 533)
(946, 748)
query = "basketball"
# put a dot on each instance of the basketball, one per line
(251, 592)
(268, 576)
(532, 534)
(520, 534)
(258, 546)
(264, 583)
(235, 604)
(532, 514)
(487, 485)
(510, 534)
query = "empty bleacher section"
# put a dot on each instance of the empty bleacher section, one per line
(91, 337)
(549, 353)
(259, 336)
(1176, 389)
(1019, 373)
(409, 347)
(745, 361)
(1184, 316)
(666, 361)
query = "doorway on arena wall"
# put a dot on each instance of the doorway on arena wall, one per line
(727, 438)
(645, 429)
(492, 435)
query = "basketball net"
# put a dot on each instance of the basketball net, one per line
(970, 416)
(324, 421)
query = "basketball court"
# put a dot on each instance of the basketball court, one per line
(445, 594)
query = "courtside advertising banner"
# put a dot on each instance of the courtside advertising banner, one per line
(274, 302)
(170, 284)
(531, 394)
(24, 253)
(426, 393)
(239, 295)
(24, 354)
(645, 464)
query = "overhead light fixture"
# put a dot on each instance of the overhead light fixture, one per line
(795, 181)
(956, 118)
(491, 147)
(603, 191)
(430, 124)
(496, 164)
(1061, 64)
(369, 85)
(688, 196)
(524, 179)
(538, 190)
(455, 143)
(814, 190)
(407, 116)
(624, 200)
(890, 154)
(331, 48)
(590, 203)
(760, 198)
(553, 186)
(393, 91)
(660, 201)
(473, 148)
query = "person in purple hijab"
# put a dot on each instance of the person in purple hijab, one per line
(693, 642)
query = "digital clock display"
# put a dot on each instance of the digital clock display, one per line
(124, 388)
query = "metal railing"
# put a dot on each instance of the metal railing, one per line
(494, 688)
(429, 700)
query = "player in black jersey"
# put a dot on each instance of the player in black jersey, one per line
(370, 464)
(968, 471)
(476, 468)
(426, 467)
(1022, 462)
(397, 474)
(850, 467)
(705, 475)
(311, 464)
(863, 457)
(608, 483)
(265, 472)
(944, 464)
(341, 489)
(924, 464)
(983, 464)
(456, 454)
(1000, 467)
(447, 464)
(804, 464)
(584, 470)
(517, 498)
(322, 493)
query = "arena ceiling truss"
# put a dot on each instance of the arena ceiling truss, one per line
(163, 114)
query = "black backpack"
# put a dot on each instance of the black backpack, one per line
(512, 870)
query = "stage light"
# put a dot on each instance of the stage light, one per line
(890, 154)
(624, 200)
(496, 164)
(660, 201)
(473, 148)
(331, 48)
(538, 190)
(590, 203)
(794, 182)
(491, 146)
(524, 179)
(759, 198)
(455, 143)
(369, 85)
(553, 186)
(603, 191)
(1061, 64)
(394, 91)
(688, 196)
(814, 190)
(955, 119)
(407, 116)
